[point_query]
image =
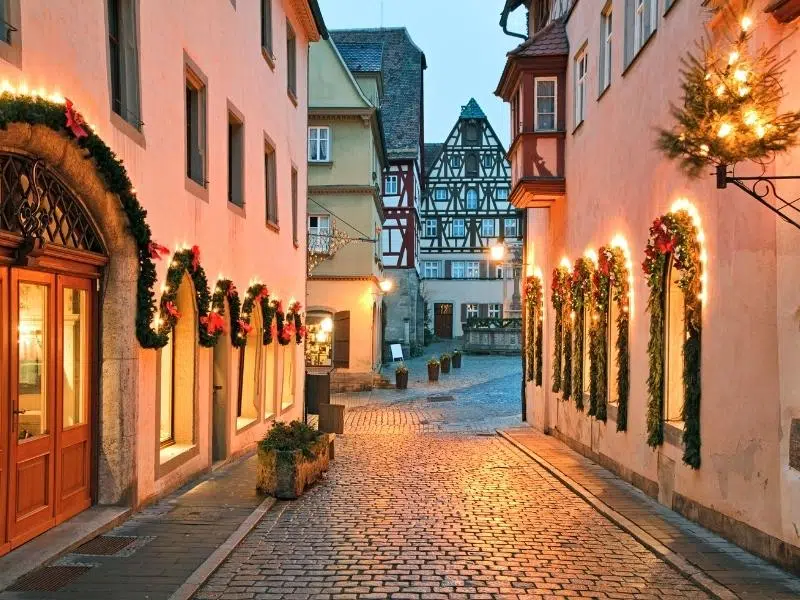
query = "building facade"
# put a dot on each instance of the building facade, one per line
(124, 368)
(346, 158)
(464, 213)
(402, 112)
(709, 425)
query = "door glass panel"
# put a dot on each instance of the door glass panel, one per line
(32, 386)
(167, 423)
(76, 365)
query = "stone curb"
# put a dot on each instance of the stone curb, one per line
(212, 563)
(676, 561)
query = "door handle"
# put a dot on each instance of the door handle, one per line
(20, 411)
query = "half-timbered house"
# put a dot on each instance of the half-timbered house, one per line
(465, 211)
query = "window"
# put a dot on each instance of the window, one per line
(195, 128)
(431, 269)
(581, 63)
(266, 26)
(545, 102)
(440, 194)
(455, 162)
(472, 165)
(390, 185)
(605, 47)
(295, 217)
(499, 272)
(495, 311)
(675, 337)
(587, 348)
(250, 359)
(291, 61)
(501, 193)
(488, 161)
(123, 58)
(268, 392)
(487, 227)
(235, 159)
(472, 199)
(270, 184)
(166, 365)
(458, 269)
(319, 139)
(471, 133)
(458, 229)
(430, 228)
(319, 233)
(510, 228)
(613, 338)
(473, 311)
(473, 269)
(640, 23)
(287, 395)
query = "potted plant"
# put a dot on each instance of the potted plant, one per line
(291, 457)
(444, 360)
(456, 359)
(401, 376)
(433, 369)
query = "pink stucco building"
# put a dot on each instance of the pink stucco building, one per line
(106, 398)
(587, 89)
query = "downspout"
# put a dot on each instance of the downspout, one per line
(504, 26)
(525, 340)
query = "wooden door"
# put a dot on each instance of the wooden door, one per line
(31, 501)
(443, 320)
(74, 348)
(341, 339)
(5, 411)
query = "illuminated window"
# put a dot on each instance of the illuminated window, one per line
(250, 358)
(675, 337)
(613, 337)
(287, 396)
(75, 343)
(587, 343)
(270, 369)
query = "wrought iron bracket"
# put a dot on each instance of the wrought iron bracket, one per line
(764, 190)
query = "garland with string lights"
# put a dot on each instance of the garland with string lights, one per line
(582, 302)
(226, 290)
(675, 237)
(534, 304)
(611, 284)
(731, 101)
(559, 288)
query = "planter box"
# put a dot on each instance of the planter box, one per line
(433, 373)
(401, 380)
(286, 475)
(445, 363)
(457, 361)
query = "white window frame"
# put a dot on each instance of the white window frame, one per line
(501, 193)
(473, 311)
(488, 228)
(322, 242)
(536, 103)
(390, 190)
(458, 269)
(431, 224)
(488, 161)
(500, 272)
(581, 73)
(455, 161)
(494, 311)
(431, 269)
(316, 144)
(606, 45)
(472, 269)
(460, 231)
(510, 232)
(467, 200)
(440, 194)
(642, 30)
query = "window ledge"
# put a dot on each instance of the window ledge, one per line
(578, 126)
(321, 163)
(172, 457)
(273, 226)
(639, 53)
(196, 189)
(292, 96)
(269, 417)
(603, 92)
(670, 7)
(128, 129)
(239, 211)
(268, 57)
(673, 433)
(287, 407)
(243, 423)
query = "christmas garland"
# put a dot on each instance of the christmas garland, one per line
(674, 236)
(256, 298)
(210, 323)
(581, 302)
(560, 297)
(225, 289)
(534, 304)
(611, 285)
(292, 325)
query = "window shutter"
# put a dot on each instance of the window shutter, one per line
(463, 312)
(629, 17)
(448, 269)
(483, 311)
(484, 270)
(341, 339)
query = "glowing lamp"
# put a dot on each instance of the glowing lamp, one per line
(321, 337)
(498, 251)
(327, 325)
(746, 23)
(386, 285)
(724, 130)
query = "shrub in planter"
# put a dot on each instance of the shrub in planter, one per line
(401, 376)
(433, 369)
(457, 359)
(291, 457)
(444, 360)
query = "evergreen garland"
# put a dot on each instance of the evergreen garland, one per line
(582, 303)
(674, 236)
(567, 377)
(533, 325)
(256, 298)
(226, 289)
(539, 351)
(559, 288)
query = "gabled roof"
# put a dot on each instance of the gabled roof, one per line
(362, 58)
(472, 110)
(550, 40)
(432, 152)
(401, 67)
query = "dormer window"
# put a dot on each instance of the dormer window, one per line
(545, 103)
(471, 133)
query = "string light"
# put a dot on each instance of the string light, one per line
(620, 242)
(566, 264)
(746, 23)
(724, 130)
(684, 204)
(591, 255)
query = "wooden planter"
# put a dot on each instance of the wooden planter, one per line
(433, 372)
(401, 380)
(286, 475)
(445, 362)
(456, 361)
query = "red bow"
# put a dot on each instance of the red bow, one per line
(157, 251)
(75, 121)
(172, 310)
(213, 322)
(279, 306)
(295, 308)
(231, 290)
(302, 331)
(264, 293)
(245, 327)
(195, 257)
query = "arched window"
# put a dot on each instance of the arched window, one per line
(176, 378)
(612, 358)
(287, 395)
(472, 199)
(270, 368)
(471, 133)
(250, 358)
(587, 347)
(675, 335)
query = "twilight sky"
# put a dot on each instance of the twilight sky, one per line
(463, 44)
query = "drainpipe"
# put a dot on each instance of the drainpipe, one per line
(504, 26)
(523, 399)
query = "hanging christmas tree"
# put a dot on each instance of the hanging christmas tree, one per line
(731, 101)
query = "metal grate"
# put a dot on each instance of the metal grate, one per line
(441, 398)
(104, 545)
(49, 579)
(65, 221)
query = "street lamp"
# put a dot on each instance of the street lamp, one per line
(386, 285)
(498, 250)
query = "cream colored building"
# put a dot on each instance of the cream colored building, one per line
(346, 157)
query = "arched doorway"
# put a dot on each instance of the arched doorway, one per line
(51, 261)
